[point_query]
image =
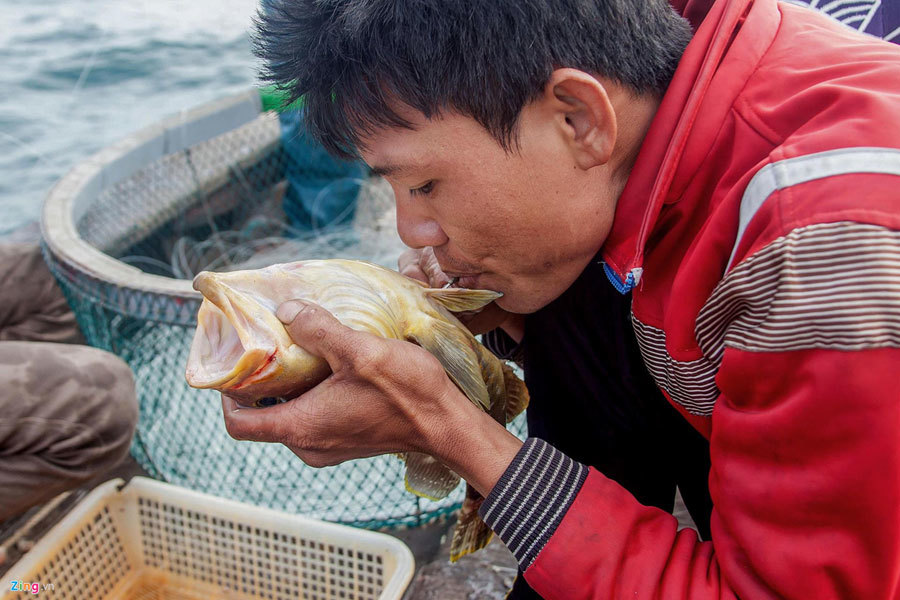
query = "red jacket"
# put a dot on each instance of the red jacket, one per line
(759, 230)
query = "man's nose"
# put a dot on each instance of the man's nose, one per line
(417, 229)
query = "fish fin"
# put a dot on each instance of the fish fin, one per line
(428, 477)
(471, 532)
(462, 299)
(454, 351)
(494, 381)
(517, 396)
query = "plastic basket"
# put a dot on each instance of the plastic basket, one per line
(155, 541)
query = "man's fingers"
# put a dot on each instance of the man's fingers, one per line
(408, 265)
(436, 277)
(318, 332)
(428, 262)
(414, 272)
(422, 265)
(259, 425)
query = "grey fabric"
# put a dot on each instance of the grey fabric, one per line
(32, 307)
(67, 413)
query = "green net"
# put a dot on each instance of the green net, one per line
(126, 231)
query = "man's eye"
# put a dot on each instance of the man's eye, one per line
(423, 190)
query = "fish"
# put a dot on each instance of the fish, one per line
(241, 348)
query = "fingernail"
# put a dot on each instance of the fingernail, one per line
(287, 311)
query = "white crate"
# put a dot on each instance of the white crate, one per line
(155, 541)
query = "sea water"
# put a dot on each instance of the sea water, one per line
(77, 75)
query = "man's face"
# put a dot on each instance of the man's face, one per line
(524, 223)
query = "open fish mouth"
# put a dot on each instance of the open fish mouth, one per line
(218, 355)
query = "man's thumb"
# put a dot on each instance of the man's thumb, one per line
(316, 330)
(289, 310)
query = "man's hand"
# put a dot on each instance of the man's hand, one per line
(423, 265)
(383, 396)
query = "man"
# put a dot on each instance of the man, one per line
(67, 412)
(748, 199)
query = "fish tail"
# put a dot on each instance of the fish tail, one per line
(471, 532)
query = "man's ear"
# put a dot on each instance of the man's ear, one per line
(585, 115)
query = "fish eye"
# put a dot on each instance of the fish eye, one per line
(270, 401)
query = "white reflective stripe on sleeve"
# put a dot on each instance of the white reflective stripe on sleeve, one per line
(791, 171)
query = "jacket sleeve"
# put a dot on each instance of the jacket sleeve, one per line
(805, 452)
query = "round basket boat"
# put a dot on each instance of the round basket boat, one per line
(113, 228)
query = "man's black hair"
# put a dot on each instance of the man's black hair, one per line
(353, 60)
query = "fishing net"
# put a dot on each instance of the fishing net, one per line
(216, 188)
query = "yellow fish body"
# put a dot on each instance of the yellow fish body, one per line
(241, 348)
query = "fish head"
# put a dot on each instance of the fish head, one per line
(240, 347)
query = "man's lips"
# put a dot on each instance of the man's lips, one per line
(468, 281)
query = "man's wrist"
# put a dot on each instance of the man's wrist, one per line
(475, 446)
